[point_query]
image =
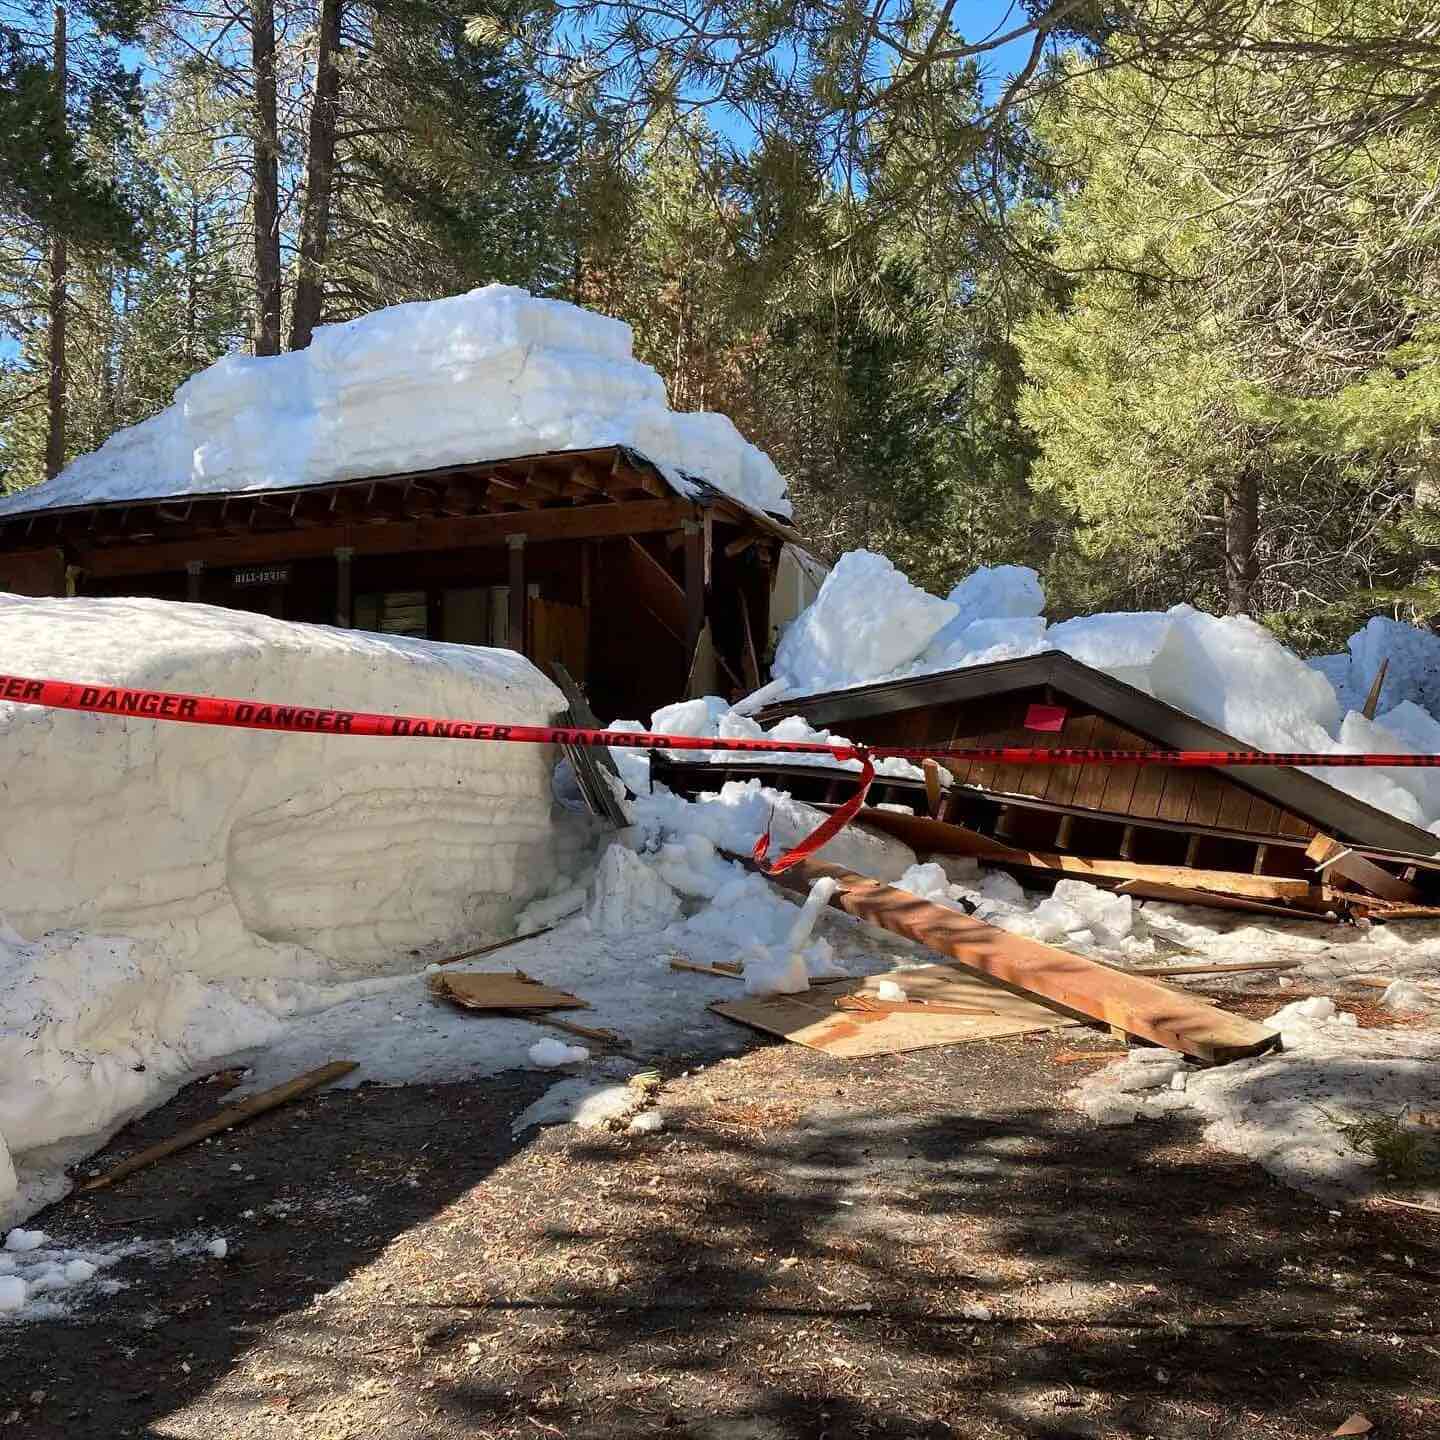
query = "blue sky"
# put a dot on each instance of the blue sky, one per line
(976, 20)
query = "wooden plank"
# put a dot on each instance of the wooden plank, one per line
(1138, 1005)
(656, 588)
(1223, 967)
(392, 538)
(227, 1119)
(695, 536)
(977, 1010)
(934, 797)
(1184, 895)
(749, 660)
(1372, 700)
(924, 834)
(703, 677)
(501, 990)
(1331, 858)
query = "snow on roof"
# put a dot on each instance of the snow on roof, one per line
(489, 375)
(870, 625)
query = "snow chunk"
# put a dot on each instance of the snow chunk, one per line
(77, 1272)
(629, 895)
(998, 592)
(13, 1292)
(1122, 645)
(18, 1241)
(889, 990)
(867, 621)
(548, 1054)
(579, 1102)
(1403, 995)
(1414, 671)
(484, 375)
(219, 1248)
(1111, 917)
(648, 1122)
(1236, 675)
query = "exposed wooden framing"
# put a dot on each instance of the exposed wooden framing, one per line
(519, 600)
(1331, 858)
(194, 575)
(749, 661)
(656, 588)
(344, 597)
(1192, 850)
(638, 517)
(1261, 851)
(934, 793)
(1127, 842)
(740, 546)
(1140, 1006)
(694, 583)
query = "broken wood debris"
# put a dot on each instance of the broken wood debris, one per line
(1330, 858)
(492, 948)
(502, 990)
(1138, 1005)
(1221, 967)
(726, 969)
(868, 1005)
(812, 1019)
(226, 1119)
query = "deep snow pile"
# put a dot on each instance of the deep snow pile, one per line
(172, 893)
(869, 623)
(481, 376)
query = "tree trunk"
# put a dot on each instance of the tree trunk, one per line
(319, 180)
(192, 297)
(59, 265)
(1242, 530)
(267, 180)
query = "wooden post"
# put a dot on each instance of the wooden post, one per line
(694, 584)
(518, 607)
(193, 571)
(344, 587)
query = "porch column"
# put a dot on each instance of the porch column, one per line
(694, 584)
(518, 595)
(193, 571)
(344, 599)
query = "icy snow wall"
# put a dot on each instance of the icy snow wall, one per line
(249, 853)
(482, 376)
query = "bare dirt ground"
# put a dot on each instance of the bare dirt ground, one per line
(800, 1253)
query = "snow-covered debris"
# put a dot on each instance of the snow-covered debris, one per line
(870, 624)
(482, 376)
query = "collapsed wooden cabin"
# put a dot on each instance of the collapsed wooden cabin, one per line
(591, 557)
(1258, 822)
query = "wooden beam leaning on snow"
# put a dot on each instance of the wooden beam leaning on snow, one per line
(1139, 1006)
(1331, 859)
(948, 839)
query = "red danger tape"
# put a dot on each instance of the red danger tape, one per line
(269, 715)
(302, 719)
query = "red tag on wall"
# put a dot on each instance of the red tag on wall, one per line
(1045, 717)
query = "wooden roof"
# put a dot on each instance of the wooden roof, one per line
(1329, 809)
(518, 488)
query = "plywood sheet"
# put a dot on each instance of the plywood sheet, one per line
(502, 990)
(812, 1019)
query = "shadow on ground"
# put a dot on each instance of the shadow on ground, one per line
(925, 1245)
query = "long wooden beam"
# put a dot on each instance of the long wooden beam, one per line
(1331, 858)
(429, 533)
(1137, 1005)
(948, 839)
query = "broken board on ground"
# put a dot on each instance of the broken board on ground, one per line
(811, 1018)
(503, 990)
(593, 764)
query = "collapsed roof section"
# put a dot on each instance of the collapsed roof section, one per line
(988, 705)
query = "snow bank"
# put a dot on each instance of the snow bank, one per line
(481, 376)
(255, 853)
(177, 892)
